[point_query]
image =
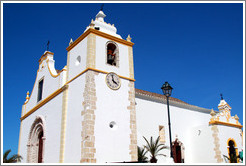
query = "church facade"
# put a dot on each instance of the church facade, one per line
(91, 112)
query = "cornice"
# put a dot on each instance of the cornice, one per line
(57, 92)
(225, 123)
(172, 101)
(99, 33)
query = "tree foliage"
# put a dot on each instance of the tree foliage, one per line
(141, 155)
(154, 147)
(13, 159)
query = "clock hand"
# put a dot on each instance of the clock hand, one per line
(115, 82)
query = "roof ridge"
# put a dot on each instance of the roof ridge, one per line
(158, 95)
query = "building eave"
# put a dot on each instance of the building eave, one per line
(142, 94)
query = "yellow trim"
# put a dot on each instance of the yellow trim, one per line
(32, 87)
(51, 72)
(19, 138)
(42, 102)
(235, 146)
(225, 123)
(63, 125)
(44, 56)
(99, 33)
(101, 71)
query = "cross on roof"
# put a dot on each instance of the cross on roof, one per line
(221, 96)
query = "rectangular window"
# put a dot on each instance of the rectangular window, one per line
(40, 89)
(162, 134)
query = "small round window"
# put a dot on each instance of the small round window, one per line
(113, 125)
(78, 60)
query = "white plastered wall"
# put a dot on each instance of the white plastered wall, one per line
(51, 112)
(79, 50)
(112, 145)
(50, 84)
(202, 146)
(74, 120)
(101, 56)
(151, 114)
(226, 133)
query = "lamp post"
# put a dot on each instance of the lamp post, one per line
(167, 90)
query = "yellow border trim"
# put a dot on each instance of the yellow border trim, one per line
(235, 146)
(44, 56)
(99, 33)
(225, 123)
(101, 71)
(58, 73)
(44, 101)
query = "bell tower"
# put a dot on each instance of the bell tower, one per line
(101, 62)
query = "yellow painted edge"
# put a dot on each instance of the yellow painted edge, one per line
(51, 72)
(225, 123)
(62, 88)
(63, 125)
(235, 146)
(44, 101)
(19, 138)
(99, 33)
(43, 57)
(33, 87)
(101, 71)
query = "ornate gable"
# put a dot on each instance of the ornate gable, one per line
(223, 117)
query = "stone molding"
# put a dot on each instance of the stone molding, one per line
(63, 124)
(33, 142)
(133, 124)
(130, 57)
(88, 149)
(91, 51)
(215, 132)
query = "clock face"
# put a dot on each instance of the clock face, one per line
(113, 81)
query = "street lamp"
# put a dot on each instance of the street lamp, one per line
(167, 91)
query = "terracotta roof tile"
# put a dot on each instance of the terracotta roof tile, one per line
(151, 94)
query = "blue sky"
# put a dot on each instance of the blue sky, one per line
(197, 48)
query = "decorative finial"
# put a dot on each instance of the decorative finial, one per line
(92, 24)
(48, 43)
(221, 96)
(236, 117)
(212, 113)
(71, 41)
(102, 7)
(129, 38)
(27, 96)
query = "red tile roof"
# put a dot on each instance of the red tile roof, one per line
(151, 94)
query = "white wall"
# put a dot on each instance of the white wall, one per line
(50, 85)
(202, 145)
(225, 133)
(151, 114)
(112, 145)
(101, 54)
(51, 111)
(79, 50)
(74, 120)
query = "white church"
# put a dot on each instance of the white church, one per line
(91, 112)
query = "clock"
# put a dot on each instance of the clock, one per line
(113, 81)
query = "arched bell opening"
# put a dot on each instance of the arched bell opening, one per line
(112, 54)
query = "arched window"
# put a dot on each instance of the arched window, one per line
(112, 53)
(232, 151)
(35, 146)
